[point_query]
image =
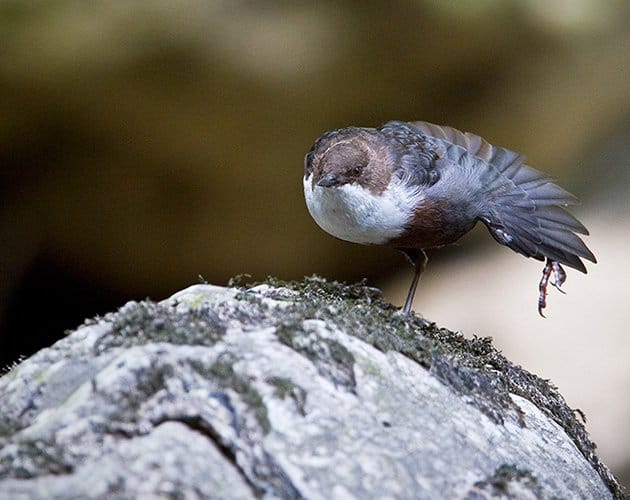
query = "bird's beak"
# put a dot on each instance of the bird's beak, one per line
(328, 181)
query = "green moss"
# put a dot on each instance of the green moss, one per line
(369, 368)
(285, 387)
(33, 458)
(331, 358)
(128, 401)
(237, 280)
(139, 323)
(222, 372)
(9, 425)
(498, 485)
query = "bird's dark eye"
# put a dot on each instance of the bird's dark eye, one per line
(357, 169)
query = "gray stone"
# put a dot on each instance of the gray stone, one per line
(293, 390)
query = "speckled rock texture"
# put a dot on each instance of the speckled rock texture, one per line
(291, 390)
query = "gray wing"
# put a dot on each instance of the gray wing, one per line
(522, 207)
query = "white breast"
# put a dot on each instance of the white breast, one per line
(352, 213)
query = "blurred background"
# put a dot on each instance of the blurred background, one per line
(143, 144)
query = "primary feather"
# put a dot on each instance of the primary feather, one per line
(522, 207)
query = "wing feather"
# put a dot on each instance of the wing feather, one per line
(522, 207)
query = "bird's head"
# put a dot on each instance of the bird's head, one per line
(349, 156)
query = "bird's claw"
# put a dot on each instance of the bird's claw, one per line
(560, 276)
(557, 287)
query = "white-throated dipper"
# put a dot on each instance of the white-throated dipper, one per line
(415, 185)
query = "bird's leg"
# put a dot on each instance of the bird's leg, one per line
(419, 259)
(542, 287)
(559, 274)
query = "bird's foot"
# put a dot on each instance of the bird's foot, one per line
(559, 276)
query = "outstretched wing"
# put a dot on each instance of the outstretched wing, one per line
(522, 207)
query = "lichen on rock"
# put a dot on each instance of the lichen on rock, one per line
(309, 389)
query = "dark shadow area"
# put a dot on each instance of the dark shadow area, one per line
(49, 300)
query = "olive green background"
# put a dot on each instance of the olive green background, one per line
(143, 144)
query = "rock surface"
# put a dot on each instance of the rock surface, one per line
(293, 390)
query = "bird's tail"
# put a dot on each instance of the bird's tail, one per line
(526, 212)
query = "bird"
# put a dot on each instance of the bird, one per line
(414, 186)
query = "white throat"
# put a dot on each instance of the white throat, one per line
(352, 213)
